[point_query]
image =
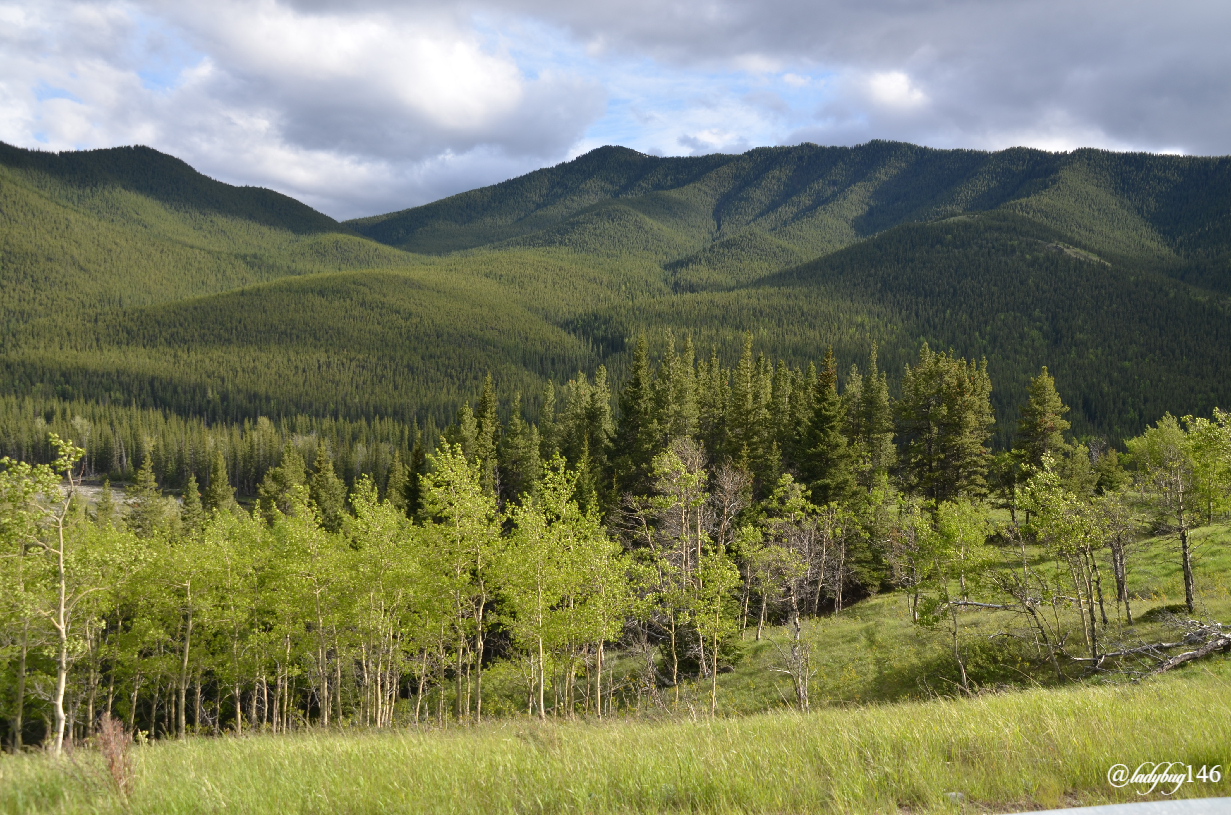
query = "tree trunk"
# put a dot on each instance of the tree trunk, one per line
(598, 680)
(1186, 553)
(18, 720)
(714, 666)
(542, 682)
(182, 713)
(61, 626)
(761, 619)
(957, 652)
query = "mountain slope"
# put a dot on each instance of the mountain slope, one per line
(128, 276)
(1167, 212)
(131, 226)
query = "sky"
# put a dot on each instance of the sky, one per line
(369, 106)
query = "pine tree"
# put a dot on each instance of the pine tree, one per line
(328, 492)
(828, 464)
(218, 493)
(414, 484)
(1041, 429)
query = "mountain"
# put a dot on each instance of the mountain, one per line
(127, 275)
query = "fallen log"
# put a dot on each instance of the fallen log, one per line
(1222, 642)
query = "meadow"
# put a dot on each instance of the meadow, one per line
(999, 752)
(887, 734)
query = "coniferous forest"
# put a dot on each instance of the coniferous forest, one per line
(599, 440)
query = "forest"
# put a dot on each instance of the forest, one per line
(618, 551)
(130, 280)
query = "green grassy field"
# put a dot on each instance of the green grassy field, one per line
(1001, 752)
(888, 733)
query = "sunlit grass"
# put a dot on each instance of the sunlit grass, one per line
(1000, 751)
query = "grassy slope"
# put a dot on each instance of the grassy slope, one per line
(1004, 753)
(880, 739)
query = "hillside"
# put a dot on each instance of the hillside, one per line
(127, 275)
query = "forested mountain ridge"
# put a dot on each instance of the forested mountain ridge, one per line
(1164, 211)
(129, 226)
(128, 276)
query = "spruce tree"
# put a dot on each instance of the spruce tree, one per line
(549, 442)
(875, 424)
(418, 466)
(274, 491)
(518, 455)
(328, 492)
(713, 396)
(827, 465)
(104, 510)
(637, 438)
(682, 377)
(1041, 429)
(218, 493)
(487, 433)
(944, 419)
(146, 511)
(464, 432)
(395, 483)
(192, 513)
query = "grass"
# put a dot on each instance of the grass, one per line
(1002, 752)
(887, 734)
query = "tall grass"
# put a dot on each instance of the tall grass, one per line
(1001, 752)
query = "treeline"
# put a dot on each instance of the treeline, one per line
(494, 574)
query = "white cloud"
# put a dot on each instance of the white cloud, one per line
(895, 90)
(359, 106)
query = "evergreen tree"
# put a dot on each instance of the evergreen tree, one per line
(464, 432)
(192, 513)
(676, 397)
(713, 397)
(1041, 429)
(875, 425)
(104, 510)
(218, 493)
(549, 442)
(827, 465)
(944, 419)
(487, 433)
(750, 437)
(396, 482)
(518, 454)
(328, 492)
(146, 510)
(276, 489)
(418, 467)
(637, 437)
(781, 408)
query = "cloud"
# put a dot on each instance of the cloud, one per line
(349, 111)
(368, 105)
